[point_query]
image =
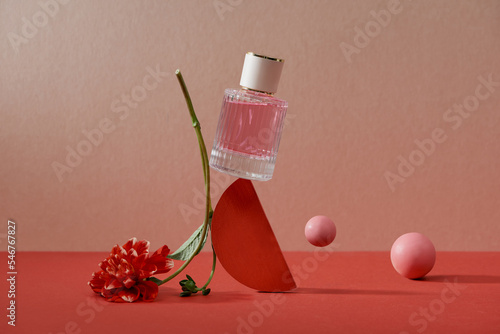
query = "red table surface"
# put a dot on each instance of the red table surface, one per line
(338, 292)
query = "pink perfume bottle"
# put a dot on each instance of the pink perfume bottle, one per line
(250, 123)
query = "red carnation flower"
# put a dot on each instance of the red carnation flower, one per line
(124, 272)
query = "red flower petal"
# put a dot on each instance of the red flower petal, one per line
(142, 247)
(118, 251)
(130, 295)
(157, 263)
(112, 295)
(139, 261)
(129, 282)
(129, 244)
(112, 283)
(97, 282)
(149, 290)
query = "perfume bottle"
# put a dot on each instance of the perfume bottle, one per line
(250, 123)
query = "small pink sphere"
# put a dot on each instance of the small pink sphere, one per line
(413, 255)
(320, 231)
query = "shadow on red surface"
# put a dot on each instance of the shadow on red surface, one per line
(171, 296)
(485, 279)
(322, 291)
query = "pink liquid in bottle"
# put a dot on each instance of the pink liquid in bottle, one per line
(248, 134)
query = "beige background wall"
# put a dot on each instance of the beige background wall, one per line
(352, 114)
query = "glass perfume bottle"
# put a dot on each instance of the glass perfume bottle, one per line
(250, 123)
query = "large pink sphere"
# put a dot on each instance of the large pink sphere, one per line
(320, 231)
(413, 255)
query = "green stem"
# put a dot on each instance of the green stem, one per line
(206, 174)
(212, 272)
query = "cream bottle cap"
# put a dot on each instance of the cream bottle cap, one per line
(261, 73)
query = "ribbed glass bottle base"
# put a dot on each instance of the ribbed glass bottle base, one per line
(242, 165)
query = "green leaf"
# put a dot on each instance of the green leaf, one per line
(187, 249)
(154, 279)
